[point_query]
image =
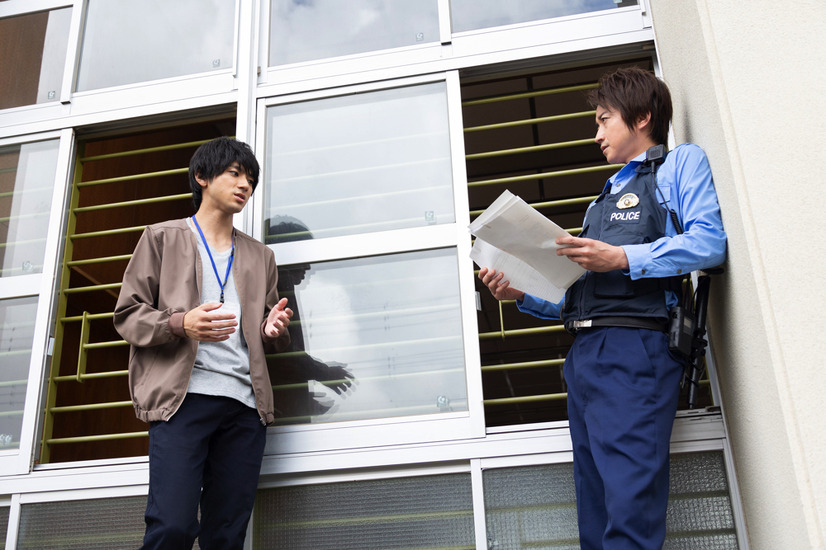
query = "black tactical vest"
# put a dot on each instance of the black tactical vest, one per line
(632, 216)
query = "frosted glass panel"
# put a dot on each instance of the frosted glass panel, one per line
(535, 506)
(98, 524)
(433, 512)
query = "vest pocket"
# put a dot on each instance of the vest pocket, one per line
(613, 284)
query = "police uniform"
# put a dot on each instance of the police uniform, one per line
(623, 383)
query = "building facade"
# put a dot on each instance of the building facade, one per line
(414, 411)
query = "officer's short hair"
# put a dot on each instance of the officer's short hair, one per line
(634, 93)
(213, 157)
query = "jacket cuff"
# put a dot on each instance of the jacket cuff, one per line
(176, 324)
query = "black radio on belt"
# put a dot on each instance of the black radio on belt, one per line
(681, 327)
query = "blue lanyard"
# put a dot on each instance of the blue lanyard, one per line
(214, 268)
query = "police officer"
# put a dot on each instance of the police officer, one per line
(652, 224)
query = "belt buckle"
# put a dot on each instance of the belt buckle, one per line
(575, 326)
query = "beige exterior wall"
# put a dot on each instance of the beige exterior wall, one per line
(749, 87)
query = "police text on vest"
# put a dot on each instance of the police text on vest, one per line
(625, 216)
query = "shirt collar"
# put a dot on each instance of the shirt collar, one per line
(628, 170)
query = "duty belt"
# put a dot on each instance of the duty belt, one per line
(629, 322)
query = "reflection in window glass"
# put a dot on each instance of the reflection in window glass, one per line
(27, 174)
(126, 41)
(304, 30)
(16, 335)
(33, 53)
(361, 163)
(371, 338)
(479, 14)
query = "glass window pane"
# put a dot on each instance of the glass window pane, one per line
(16, 339)
(303, 31)
(27, 174)
(359, 164)
(126, 42)
(479, 14)
(33, 49)
(372, 338)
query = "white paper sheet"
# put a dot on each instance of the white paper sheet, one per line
(515, 239)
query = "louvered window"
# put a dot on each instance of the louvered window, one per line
(121, 184)
(532, 134)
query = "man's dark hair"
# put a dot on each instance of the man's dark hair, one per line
(634, 93)
(213, 157)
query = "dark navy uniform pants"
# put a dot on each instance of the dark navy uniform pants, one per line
(209, 452)
(623, 388)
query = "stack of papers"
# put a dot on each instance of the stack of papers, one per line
(514, 239)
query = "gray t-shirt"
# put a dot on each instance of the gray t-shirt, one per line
(221, 368)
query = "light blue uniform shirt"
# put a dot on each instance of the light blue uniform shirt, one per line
(688, 188)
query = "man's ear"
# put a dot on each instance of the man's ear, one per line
(643, 123)
(201, 181)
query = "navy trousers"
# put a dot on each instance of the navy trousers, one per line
(623, 388)
(209, 452)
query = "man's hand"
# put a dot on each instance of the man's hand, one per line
(278, 319)
(500, 289)
(591, 254)
(205, 324)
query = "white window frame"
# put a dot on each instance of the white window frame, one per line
(591, 30)
(348, 64)
(394, 430)
(20, 460)
(182, 92)
(152, 91)
(52, 109)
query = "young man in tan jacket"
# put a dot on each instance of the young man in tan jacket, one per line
(200, 308)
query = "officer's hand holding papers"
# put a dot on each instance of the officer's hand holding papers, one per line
(514, 239)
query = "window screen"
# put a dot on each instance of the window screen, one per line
(4, 525)
(82, 524)
(419, 512)
(535, 506)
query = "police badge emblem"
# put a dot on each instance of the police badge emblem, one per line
(628, 200)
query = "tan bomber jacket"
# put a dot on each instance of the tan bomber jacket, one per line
(161, 284)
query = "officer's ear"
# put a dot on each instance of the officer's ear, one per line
(643, 123)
